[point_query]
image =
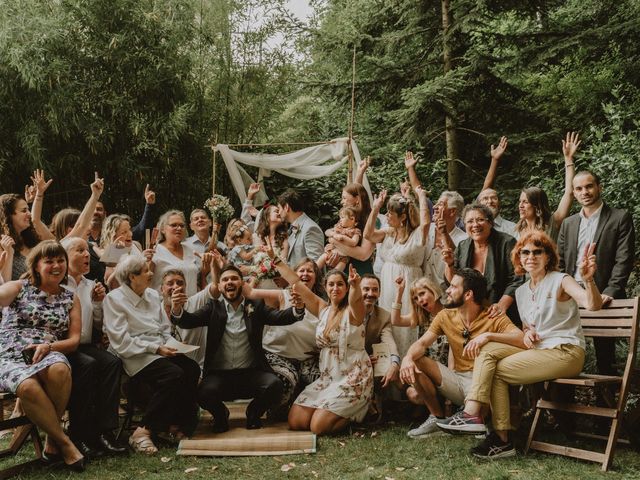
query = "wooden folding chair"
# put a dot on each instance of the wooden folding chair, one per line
(618, 320)
(23, 430)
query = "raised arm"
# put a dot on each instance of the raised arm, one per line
(146, 221)
(6, 263)
(397, 319)
(84, 220)
(569, 147)
(425, 218)
(496, 153)
(41, 186)
(356, 303)
(370, 233)
(362, 169)
(410, 164)
(312, 302)
(588, 297)
(269, 296)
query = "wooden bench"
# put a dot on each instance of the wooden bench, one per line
(617, 320)
(23, 430)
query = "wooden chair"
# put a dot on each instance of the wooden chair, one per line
(23, 430)
(618, 320)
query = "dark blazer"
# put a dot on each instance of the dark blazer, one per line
(615, 243)
(498, 269)
(214, 316)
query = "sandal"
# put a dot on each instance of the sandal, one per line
(142, 443)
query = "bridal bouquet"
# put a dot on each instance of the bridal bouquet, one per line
(219, 207)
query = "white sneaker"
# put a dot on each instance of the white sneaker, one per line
(427, 428)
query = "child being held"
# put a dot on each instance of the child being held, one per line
(345, 231)
(242, 254)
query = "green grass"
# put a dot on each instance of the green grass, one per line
(358, 455)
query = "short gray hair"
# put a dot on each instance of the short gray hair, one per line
(129, 265)
(454, 200)
(164, 221)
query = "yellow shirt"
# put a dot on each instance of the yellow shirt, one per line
(449, 322)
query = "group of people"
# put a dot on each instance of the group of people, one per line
(464, 302)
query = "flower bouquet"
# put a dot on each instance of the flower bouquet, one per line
(219, 207)
(263, 266)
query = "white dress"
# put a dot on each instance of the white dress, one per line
(345, 385)
(401, 260)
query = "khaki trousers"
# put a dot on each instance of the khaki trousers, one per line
(499, 365)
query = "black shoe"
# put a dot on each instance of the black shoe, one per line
(109, 446)
(493, 447)
(77, 466)
(221, 421)
(253, 423)
(50, 459)
(87, 451)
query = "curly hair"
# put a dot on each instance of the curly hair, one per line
(27, 238)
(401, 205)
(263, 231)
(110, 227)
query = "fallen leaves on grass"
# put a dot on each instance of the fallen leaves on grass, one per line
(165, 459)
(287, 466)
(191, 469)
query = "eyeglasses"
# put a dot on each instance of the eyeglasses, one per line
(477, 221)
(177, 225)
(466, 336)
(536, 252)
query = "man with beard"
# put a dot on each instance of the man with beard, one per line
(466, 324)
(612, 231)
(235, 365)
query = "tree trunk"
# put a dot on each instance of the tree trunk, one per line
(451, 137)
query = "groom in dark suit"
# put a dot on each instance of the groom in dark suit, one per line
(235, 365)
(612, 231)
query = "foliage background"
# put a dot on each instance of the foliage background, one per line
(138, 90)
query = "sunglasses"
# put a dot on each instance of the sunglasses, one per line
(536, 252)
(466, 335)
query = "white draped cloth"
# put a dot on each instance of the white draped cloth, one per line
(310, 162)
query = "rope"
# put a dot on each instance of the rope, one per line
(353, 111)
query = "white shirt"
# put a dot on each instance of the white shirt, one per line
(235, 350)
(189, 265)
(136, 326)
(91, 312)
(505, 226)
(433, 265)
(586, 235)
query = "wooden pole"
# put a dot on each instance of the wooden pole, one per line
(213, 167)
(353, 110)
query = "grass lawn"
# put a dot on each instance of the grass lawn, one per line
(381, 452)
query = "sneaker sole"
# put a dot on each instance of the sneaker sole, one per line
(508, 453)
(425, 435)
(463, 429)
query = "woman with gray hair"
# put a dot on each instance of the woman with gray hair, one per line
(172, 252)
(138, 330)
(489, 252)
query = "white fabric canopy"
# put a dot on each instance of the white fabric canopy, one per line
(310, 162)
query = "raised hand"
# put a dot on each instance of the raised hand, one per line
(405, 189)
(378, 201)
(588, 264)
(149, 195)
(409, 160)
(354, 278)
(364, 165)
(400, 284)
(29, 193)
(39, 182)
(254, 188)
(7, 243)
(98, 293)
(178, 299)
(420, 191)
(97, 187)
(447, 256)
(497, 152)
(296, 299)
(570, 145)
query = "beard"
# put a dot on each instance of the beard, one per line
(453, 302)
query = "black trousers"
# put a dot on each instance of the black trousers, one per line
(219, 385)
(173, 382)
(95, 392)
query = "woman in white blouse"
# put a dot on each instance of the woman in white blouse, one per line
(138, 330)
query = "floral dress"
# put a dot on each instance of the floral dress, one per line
(33, 317)
(345, 385)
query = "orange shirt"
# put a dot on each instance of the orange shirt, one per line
(449, 322)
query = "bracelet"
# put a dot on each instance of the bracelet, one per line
(396, 306)
(50, 347)
(568, 165)
(39, 196)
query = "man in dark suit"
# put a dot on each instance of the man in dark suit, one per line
(306, 239)
(612, 231)
(235, 365)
